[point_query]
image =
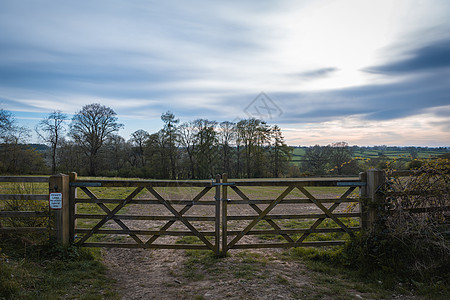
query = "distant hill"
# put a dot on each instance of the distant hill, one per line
(39, 147)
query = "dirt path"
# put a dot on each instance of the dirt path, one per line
(171, 274)
(181, 274)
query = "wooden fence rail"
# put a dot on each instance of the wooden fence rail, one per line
(6, 216)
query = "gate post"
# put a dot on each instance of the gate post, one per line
(371, 197)
(72, 206)
(217, 224)
(59, 183)
(224, 215)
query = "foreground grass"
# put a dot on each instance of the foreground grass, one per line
(52, 272)
(329, 270)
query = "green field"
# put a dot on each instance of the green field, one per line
(364, 153)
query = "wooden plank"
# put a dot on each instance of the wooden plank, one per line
(292, 231)
(24, 179)
(142, 183)
(323, 182)
(23, 214)
(8, 230)
(298, 216)
(150, 246)
(24, 197)
(288, 245)
(144, 232)
(290, 201)
(138, 217)
(144, 201)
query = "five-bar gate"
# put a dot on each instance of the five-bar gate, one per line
(213, 215)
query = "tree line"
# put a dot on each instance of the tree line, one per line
(90, 145)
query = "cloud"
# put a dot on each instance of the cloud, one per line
(318, 73)
(435, 55)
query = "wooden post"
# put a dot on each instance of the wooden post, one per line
(217, 225)
(72, 206)
(59, 183)
(371, 197)
(224, 215)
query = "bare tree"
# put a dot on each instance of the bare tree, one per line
(90, 128)
(6, 124)
(50, 130)
(187, 138)
(227, 136)
(138, 140)
(340, 155)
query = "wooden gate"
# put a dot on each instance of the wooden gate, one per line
(101, 221)
(112, 223)
(288, 225)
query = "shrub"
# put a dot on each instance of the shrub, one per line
(403, 242)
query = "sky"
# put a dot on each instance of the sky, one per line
(365, 72)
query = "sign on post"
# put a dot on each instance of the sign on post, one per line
(55, 201)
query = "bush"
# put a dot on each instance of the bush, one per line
(405, 243)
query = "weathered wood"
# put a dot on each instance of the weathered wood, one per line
(375, 180)
(297, 216)
(59, 183)
(9, 230)
(139, 217)
(224, 214)
(292, 231)
(289, 245)
(23, 214)
(147, 246)
(141, 183)
(322, 182)
(24, 197)
(289, 201)
(217, 216)
(145, 232)
(73, 177)
(23, 179)
(143, 201)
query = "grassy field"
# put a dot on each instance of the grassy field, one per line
(299, 153)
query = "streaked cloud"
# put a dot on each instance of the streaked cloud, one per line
(320, 61)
